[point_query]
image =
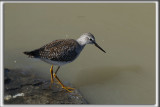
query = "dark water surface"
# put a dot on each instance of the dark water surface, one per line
(124, 75)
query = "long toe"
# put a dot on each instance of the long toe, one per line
(69, 89)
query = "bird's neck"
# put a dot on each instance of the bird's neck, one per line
(81, 41)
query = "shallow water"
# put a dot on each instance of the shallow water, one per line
(124, 75)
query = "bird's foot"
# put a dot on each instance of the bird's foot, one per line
(69, 89)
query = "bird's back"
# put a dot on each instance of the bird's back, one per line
(58, 50)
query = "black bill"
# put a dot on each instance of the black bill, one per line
(99, 47)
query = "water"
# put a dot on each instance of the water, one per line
(124, 75)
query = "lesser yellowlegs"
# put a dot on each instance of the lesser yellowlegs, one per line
(63, 51)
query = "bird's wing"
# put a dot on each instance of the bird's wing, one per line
(59, 50)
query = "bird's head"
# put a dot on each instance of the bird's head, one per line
(88, 38)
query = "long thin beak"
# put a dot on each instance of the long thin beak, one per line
(99, 47)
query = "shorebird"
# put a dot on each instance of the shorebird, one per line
(63, 51)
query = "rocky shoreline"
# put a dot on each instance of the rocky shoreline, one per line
(23, 87)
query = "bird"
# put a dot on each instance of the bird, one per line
(62, 51)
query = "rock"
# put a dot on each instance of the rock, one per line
(23, 87)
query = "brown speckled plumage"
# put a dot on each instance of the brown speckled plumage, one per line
(58, 50)
(63, 51)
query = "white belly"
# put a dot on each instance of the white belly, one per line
(59, 63)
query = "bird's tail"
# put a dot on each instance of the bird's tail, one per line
(33, 54)
(29, 54)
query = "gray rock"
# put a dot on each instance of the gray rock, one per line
(23, 87)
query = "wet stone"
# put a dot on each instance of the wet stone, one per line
(22, 87)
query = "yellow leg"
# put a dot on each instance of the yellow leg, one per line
(51, 71)
(66, 88)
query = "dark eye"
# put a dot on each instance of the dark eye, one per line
(90, 39)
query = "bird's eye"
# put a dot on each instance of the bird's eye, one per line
(90, 39)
